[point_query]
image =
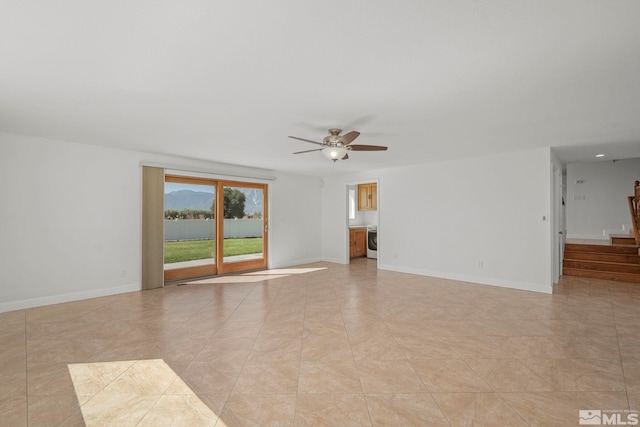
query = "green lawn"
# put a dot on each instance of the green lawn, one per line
(190, 250)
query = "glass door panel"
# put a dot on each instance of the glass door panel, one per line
(189, 228)
(244, 226)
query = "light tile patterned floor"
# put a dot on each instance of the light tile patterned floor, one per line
(324, 344)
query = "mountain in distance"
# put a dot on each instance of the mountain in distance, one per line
(188, 199)
(253, 201)
(200, 200)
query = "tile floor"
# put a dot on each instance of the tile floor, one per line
(324, 344)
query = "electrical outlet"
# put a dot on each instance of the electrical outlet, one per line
(123, 273)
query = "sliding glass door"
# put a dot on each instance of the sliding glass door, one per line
(189, 228)
(244, 226)
(213, 227)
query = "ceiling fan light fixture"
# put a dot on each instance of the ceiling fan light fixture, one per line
(336, 147)
(334, 153)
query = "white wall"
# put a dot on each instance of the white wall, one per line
(295, 218)
(443, 219)
(606, 186)
(48, 188)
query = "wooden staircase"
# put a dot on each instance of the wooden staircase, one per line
(618, 261)
(609, 262)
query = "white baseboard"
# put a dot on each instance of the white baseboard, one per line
(588, 236)
(334, 260)
(523, 286)
(68, 297)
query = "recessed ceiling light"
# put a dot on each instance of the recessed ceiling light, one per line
(599, 155)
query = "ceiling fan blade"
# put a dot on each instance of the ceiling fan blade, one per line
(346, 156)
(348, 138)
(308, 151)
(305, 140)
(368, 147)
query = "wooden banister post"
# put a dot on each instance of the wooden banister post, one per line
(634, 209)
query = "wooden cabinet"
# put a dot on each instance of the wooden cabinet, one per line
(357, 242)
(368, 197)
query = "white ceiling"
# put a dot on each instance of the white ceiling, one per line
(228, 81)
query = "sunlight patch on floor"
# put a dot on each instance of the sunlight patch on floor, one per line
(136, 393)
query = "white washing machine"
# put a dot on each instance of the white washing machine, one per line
(372, 241)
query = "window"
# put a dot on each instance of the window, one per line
(352, 204)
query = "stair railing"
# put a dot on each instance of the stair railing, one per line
(634, 208)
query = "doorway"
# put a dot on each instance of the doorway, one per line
(557, 223)
(213, 227)
(363, 203)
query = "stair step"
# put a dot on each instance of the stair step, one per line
(605, 275)
(610, 249)
(622, 239)
(600, 256)
(609, 262)
(602, 266)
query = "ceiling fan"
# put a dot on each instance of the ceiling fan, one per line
(336, 146)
